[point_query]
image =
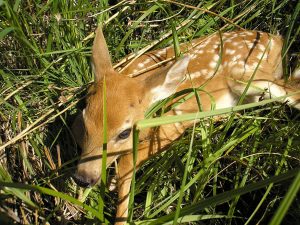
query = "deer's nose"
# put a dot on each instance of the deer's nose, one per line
(83, 180)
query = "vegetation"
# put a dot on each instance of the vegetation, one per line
(238, 169)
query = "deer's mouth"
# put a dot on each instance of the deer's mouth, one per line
(84, 180)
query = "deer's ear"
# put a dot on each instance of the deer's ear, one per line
(165, 84)
(101, 61)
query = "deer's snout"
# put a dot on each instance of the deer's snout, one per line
(85, 179)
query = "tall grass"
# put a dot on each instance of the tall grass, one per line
(236, 169)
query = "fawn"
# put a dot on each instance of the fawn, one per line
(224, 62)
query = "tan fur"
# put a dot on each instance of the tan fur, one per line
(222, 71)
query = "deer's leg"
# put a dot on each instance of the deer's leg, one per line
(290, 87)
(267, 89)
(158, 141)
(125, 172)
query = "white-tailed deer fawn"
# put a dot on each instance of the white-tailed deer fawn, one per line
(224, 62)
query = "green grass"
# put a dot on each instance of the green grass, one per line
(240, 169)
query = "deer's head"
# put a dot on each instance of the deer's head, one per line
(126, 101)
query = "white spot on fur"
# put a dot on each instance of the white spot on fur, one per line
(229, 51)
(250, 44)
(200, 46)
(209, 74)
(204, 71)
(237, 70)
(241, 63)
(141, 65)
(229, 39)
(261, 56)
(255, 65)
(232, 63)
(249, 33)
(160, 52)
(216, 57)
(213, 64)
(248, 67)
(230, 35)
(236, 57)
(261, 47)
(199, 51)
(193, 56)
(195, 75)
(204, 44)
(178, 111)
(147, 61)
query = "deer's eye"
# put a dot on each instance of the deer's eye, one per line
(124, 134)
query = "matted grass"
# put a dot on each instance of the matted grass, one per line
(237, 169)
